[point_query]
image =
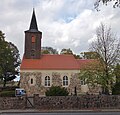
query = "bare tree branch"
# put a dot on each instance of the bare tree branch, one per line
(108, 48)
(105, 2)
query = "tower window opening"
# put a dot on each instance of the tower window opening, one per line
(33, 39)
(31, 81)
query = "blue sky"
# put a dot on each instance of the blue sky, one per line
(64, 23)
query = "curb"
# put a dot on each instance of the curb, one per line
(58, 111)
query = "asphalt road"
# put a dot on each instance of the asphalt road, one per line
(81, 113)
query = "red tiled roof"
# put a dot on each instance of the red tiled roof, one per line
(54, 62)
(82, 62)
(51, 62)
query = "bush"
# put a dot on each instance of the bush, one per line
(8, 88)
(7, 94)
(116, 89)
(57, 91)
(8, 91)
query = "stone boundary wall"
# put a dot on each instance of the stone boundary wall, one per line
(12, 103)
(77, 102)
(63, 102)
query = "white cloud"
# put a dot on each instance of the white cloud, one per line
(64, 23)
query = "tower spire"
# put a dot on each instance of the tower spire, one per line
(33, 24)
(33, 40)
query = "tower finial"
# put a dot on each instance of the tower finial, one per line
(33, 24)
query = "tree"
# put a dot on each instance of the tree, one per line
(2, 46)
(66, 51)
(9, 60)
(117, 72)
(108, 48)
(77, 56)
(57, 91)
(116, 89)
(70, 52)
(45, 52)
(92, 74)
(105, 2)
(90, 55)
(49, 50)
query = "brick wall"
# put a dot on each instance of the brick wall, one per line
(12, 103)
(77, 102)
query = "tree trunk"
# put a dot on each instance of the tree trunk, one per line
(4, 83)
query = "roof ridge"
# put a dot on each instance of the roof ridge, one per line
(57, 55)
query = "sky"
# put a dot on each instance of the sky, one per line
(64, 23)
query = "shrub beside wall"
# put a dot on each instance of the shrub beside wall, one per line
(57, 91)
(7, 94)
(116, 89)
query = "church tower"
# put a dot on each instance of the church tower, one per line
(33, 40)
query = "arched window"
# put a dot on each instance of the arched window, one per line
(47, 81)
(65, 81)
(82, 82)
(33, 39)
(31, 81)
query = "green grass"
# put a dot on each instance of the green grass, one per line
(7, 93)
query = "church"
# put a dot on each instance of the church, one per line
(38, 72)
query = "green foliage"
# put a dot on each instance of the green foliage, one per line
(8, 88)
(117, 72)
(9, 60)
(116, 89)
(92, 77)
(48, 50)
(107, 47)
(8, 91)
(56, 91)
(90, 55)
(77, 56)
(45, 52)
(66, 51)
(93, 74)
(7, 94)
(69, 52)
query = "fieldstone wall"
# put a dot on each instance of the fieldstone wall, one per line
(77, 102)
(37, 87)
(74, 82)
(63, 102)
(12, 103)
(56, 80)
